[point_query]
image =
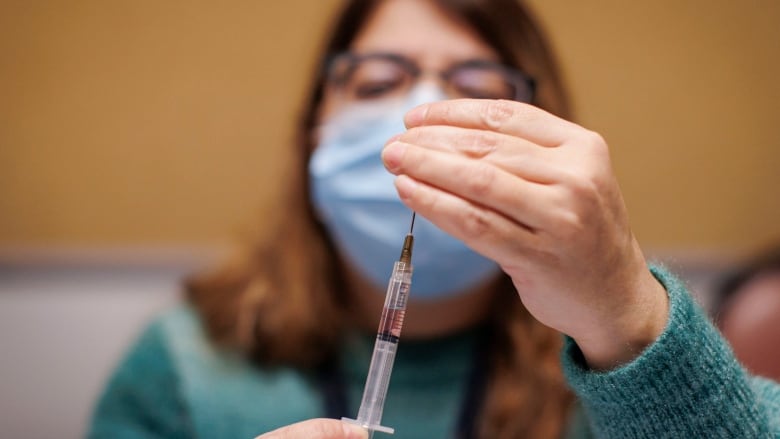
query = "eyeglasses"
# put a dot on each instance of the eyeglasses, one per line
(373, 76)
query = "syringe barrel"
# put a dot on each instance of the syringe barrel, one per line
(372, 406)
(386, 344)
(397, 295)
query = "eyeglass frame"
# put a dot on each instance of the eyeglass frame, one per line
(415, 71)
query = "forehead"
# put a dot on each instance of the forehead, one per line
(421, 30)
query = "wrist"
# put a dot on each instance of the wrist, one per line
(623, 336)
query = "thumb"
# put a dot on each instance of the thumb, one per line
(318, 429)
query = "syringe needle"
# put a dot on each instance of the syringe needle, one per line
(411, 228)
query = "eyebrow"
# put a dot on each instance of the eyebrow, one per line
(475, 60)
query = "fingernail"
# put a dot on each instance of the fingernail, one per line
(415, 116)
(392, 155)
(405, 186)
(355, 431)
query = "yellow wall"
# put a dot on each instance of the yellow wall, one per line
(163, 123)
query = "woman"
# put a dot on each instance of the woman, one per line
(290, 324)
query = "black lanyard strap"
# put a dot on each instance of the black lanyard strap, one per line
(333, 388)
(475, 393)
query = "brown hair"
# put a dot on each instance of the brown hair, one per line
(281, 300)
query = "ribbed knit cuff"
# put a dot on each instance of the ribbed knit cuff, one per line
(686, 384)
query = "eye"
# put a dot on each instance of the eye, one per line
(372, 89)
(482, 93)
(481, 82)
(375, 77)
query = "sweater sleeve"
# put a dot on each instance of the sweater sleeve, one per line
(141, 400)
(686, 384)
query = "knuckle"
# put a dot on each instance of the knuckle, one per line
(479, 144)
(570, 225)
(569, 215)
(595, 141)
(582, 185)
(439, 111)
(497, 112)
(475, 222)
(480, 180)
(584, 188)
(424, 200)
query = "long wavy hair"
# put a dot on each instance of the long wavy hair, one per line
(281, 301)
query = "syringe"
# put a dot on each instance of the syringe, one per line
(390, 324)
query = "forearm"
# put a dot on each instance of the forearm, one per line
(686, 384)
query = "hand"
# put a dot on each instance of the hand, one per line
(317, 429)
(537, 194)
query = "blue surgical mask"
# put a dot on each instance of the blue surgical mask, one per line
(355, 198)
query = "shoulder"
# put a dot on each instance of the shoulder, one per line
(142, 396)
(174, 382)
(147, 364)
(224, 394)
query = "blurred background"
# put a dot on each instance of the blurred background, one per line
(139, 139)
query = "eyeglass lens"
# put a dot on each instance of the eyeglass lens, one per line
(361, 78)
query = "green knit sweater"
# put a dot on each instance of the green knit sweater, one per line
(175, 384)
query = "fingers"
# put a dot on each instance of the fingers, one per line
(507, 117)
(484, 230)
(318, 429)
(515, 155)
(474, 180)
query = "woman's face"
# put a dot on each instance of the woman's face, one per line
(417, 30)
